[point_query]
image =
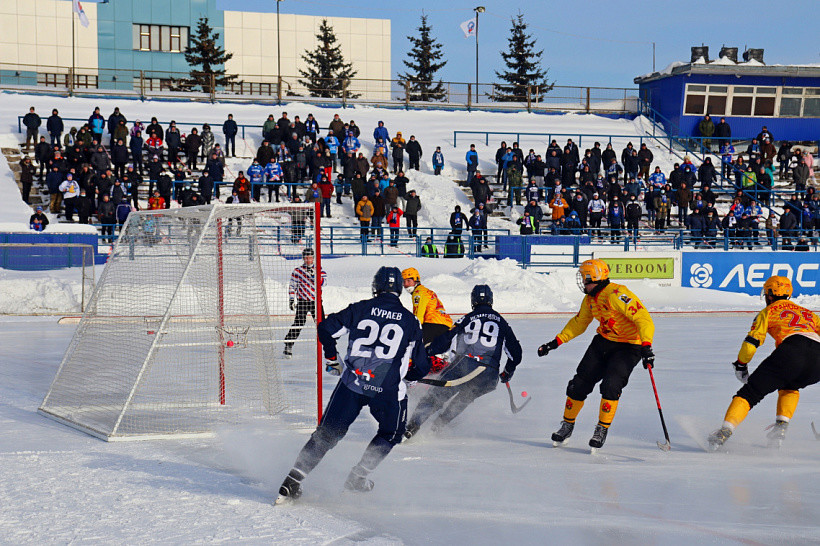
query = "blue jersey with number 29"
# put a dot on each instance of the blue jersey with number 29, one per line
(383, 338)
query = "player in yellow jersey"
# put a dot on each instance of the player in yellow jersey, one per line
(793, 365)
(623, 338)
(429, 311)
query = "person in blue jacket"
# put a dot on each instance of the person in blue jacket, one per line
(384, 349)
(332, 144)
(273, 177)
(479, 338)
(96, 123)
(616, 221)
(438, 160)
(256, 176)
(351, 144)
(472, 163)
(380, 132)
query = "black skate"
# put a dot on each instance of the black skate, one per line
(287, 353)
(562, 434)
(291, 488)
(410, 430)
(598, 437)
(357, 480)
(777, 434)
(719, 437)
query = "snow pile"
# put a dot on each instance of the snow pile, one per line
(40, 292)
(726, 61)
(14, 213)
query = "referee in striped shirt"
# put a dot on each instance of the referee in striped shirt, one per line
(302, 293)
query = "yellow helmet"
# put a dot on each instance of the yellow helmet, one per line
(592, 270)
(411, 273)
(777, 286)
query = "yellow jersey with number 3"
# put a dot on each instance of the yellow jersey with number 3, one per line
(428, 308)
(780, 320)
(623, 318)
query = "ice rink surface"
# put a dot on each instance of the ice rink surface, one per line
(493, 478)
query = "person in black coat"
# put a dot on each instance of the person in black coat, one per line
(27, 170)
(55, 127)
(84, 206)
(119, 156)
(453, 247)
(137, 143)
(154, 128)
(229, 129)
(568, 168)
(499, 160)
(707, 175)
(413, 149)
(32, 122)
(458, 220)
(723, 132)
(43, 153)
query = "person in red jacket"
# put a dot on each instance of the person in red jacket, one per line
(394, 221)
(327, 192)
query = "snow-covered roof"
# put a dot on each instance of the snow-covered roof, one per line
(724, 65)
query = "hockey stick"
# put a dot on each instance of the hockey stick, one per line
(814, 430)
(668, 445)
(513, 407)
(454, 382)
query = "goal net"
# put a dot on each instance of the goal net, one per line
(185, 328)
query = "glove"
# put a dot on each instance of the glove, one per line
(544, 349)
(741, 371)
(333, 366)
(505, 376)
(648, 356)
(292, 304)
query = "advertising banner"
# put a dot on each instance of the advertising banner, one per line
(746, 272)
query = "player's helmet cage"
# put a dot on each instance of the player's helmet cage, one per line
(411, 273)
(777, 287)
(592, 271)
(307, 252)
(387, 279)
(481, 295)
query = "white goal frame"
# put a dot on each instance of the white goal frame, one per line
(241, 336)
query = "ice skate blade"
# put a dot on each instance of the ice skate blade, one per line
(594, 450)
(560, 444)
(775, 444)
(282, 500)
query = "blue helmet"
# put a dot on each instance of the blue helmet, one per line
(387, 279)
(481, 295)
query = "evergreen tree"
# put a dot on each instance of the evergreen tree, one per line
(327, 72)
(523, 67)
(423, 54)
(206, 59)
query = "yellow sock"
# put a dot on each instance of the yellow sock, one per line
(786, 404)
(737, 412)
(572, 409)
(607, 412)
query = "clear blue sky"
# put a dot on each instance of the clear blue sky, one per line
(589, 43)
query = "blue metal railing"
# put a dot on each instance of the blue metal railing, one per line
(549, 136)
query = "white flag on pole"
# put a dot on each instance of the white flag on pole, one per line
(469, 27)
(78, 9)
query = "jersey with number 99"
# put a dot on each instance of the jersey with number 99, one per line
(482, 335)
(780, 320)
(383, 339)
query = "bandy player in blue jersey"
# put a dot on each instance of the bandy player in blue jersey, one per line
(384, 348)
(480, 338)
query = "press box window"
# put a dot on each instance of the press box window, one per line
(160, 38)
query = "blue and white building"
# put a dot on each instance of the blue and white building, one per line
(749, 94)
(129, 40)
